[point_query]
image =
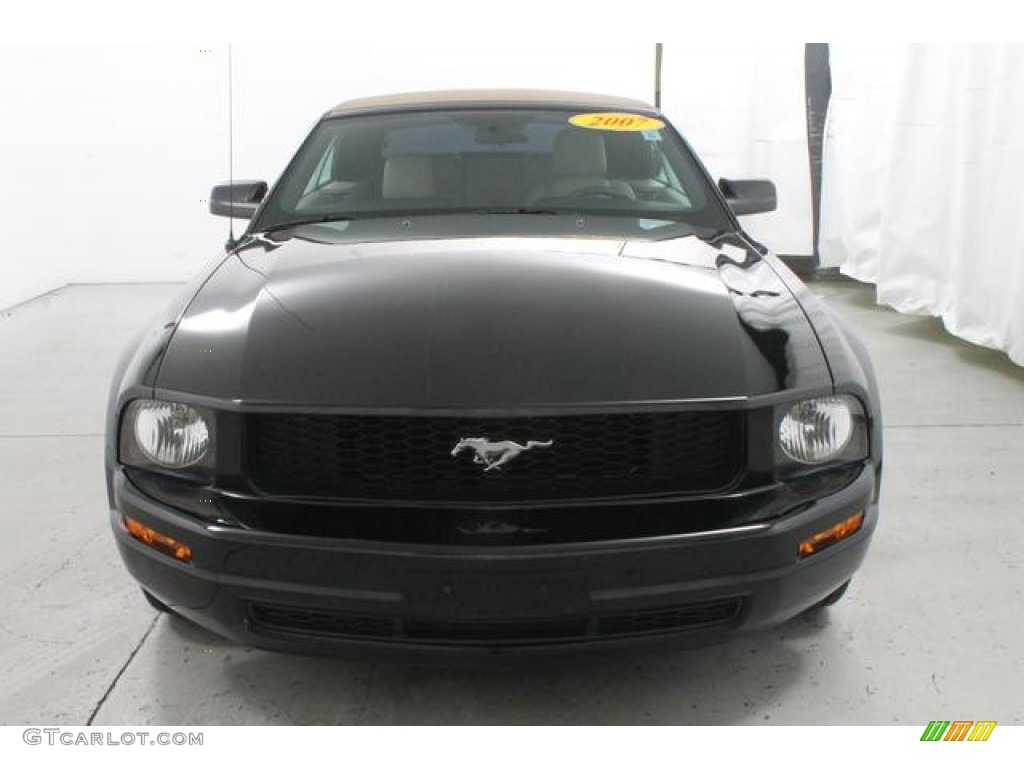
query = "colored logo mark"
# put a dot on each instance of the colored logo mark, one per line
(958, 730)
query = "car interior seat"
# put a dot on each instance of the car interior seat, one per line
(632, 160)
(355, 167)
(579, 164)
(408, 177)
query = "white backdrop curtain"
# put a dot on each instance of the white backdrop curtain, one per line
(923, 183)
(746, 117)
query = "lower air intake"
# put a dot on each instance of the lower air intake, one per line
(352, 625)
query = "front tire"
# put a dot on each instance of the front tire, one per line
(834, 597)
(159, 605)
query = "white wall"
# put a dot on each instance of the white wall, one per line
(108, 152)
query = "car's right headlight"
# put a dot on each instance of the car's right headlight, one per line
(164, 434)
(821, 430)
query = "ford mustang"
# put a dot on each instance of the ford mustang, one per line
(488, 371)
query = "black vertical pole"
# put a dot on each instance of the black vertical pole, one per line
(818, 90)
(231, 243)
(657, 75)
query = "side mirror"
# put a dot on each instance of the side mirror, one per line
(749, 195)
(239, 199)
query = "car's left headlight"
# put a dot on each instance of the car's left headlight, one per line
(164, 434)
(822, 430)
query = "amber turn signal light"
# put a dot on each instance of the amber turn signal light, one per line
(158, 541)
(830, 536)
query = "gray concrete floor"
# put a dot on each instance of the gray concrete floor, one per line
(932, 626)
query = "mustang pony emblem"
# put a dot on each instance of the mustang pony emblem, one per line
(495, 455)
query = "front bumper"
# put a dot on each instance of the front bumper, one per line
(310, 594)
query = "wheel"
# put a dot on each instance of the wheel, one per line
(160, 606)
(835, 597)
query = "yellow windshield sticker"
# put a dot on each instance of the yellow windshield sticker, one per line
(617, 121)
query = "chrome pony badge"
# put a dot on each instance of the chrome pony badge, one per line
(495, 455)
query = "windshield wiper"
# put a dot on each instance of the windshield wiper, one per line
(324, 218)
(320, 219)
(387, 214)
(523, 210)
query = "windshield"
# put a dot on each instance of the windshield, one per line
(493, 161)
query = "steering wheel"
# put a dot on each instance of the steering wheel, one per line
(599, 191)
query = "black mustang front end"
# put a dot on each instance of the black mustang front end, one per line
(488, 371)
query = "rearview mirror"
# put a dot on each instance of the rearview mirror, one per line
(749, 195)
(239, 199)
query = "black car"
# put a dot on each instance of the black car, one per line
(493, 370)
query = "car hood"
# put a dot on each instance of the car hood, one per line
(491, 323)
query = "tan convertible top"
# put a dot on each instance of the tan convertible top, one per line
(401, 101)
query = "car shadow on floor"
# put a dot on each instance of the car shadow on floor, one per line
(740, 681)
(931, 330)
(848, 294)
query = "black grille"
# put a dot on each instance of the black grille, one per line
(493, 631)
(409, 457)
(321, 622)
(305, 621)
(661, 620)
